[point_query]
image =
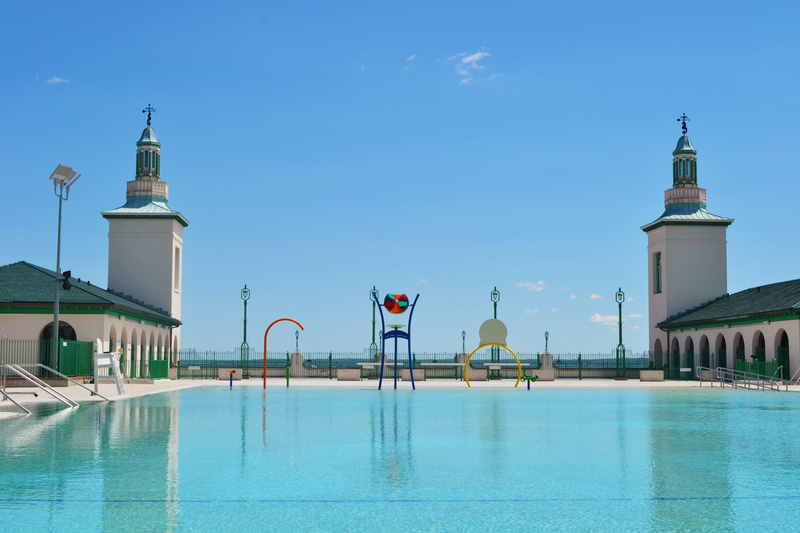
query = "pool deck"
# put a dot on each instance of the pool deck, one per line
(109, 390)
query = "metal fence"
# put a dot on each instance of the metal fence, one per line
(75, 358)
(195, 364)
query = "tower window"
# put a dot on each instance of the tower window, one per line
(177, 274)
(657, 273)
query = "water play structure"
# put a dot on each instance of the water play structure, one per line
(493, 333)
(396, 304)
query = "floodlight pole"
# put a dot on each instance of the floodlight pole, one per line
(63, 178)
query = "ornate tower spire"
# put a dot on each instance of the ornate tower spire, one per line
(148, 152)
(687, 257)
(684, 162)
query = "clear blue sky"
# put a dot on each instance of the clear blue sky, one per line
(439, 148)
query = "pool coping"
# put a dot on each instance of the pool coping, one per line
(134, 390)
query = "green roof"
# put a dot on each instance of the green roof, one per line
(689, 213)
(684, 146)
(145, 207)
(749, 305)
(26, 286)
(148, 137)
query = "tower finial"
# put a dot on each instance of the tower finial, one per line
(683, 119)
(150, 110)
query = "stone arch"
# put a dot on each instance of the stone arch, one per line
(113, 340)
(161, 351)
(759, 348)
(152, 346)
(738, 347)
(674, 353)
(134, 357)
(782, 353)
(143, 355)
(721, 351)
(688, 353)
(124, 352)
(65, 332)
(657, 358)
(705, 352)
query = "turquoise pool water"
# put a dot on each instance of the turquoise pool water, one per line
(328, 459)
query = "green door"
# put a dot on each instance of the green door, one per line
(783, 360)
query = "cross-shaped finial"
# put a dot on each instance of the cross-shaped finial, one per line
(683, 119)
(149, 110)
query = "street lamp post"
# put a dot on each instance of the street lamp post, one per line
(297, 341)
(245, 349)
(463, 341)
(546, 338)
(621, 371)
(63, 178)
(373, 348)
(495, 299)
(495, 295)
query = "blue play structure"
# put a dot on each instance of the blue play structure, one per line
(396, 304)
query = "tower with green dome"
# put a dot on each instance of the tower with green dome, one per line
(145, 237)
(686, 247)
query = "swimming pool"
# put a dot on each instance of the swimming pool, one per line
(323, 459)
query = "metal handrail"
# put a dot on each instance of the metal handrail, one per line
(41, 384)
(13, 401)
(56, 372)
(735, 377)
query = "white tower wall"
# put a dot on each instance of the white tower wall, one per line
(694, 270)
(145, 261)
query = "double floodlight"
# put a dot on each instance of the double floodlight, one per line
(64, 175)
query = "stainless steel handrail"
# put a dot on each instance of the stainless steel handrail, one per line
(739, 378)
(13, 401)
(41, 384)
(39, 365)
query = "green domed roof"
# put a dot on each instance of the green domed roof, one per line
(684, 146)
(148, 137)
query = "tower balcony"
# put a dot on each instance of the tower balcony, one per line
(159, 189)
(685, 195)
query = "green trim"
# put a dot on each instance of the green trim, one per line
(658, 224)
(111, 311)
(176, 216)
(780, 316)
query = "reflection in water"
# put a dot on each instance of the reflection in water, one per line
(391, 449)
(493, 434)
(689, 447)
(664, 460)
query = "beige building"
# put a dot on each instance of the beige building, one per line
(141, 309)
(693, 320)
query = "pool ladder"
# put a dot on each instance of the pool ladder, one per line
(739, 379)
